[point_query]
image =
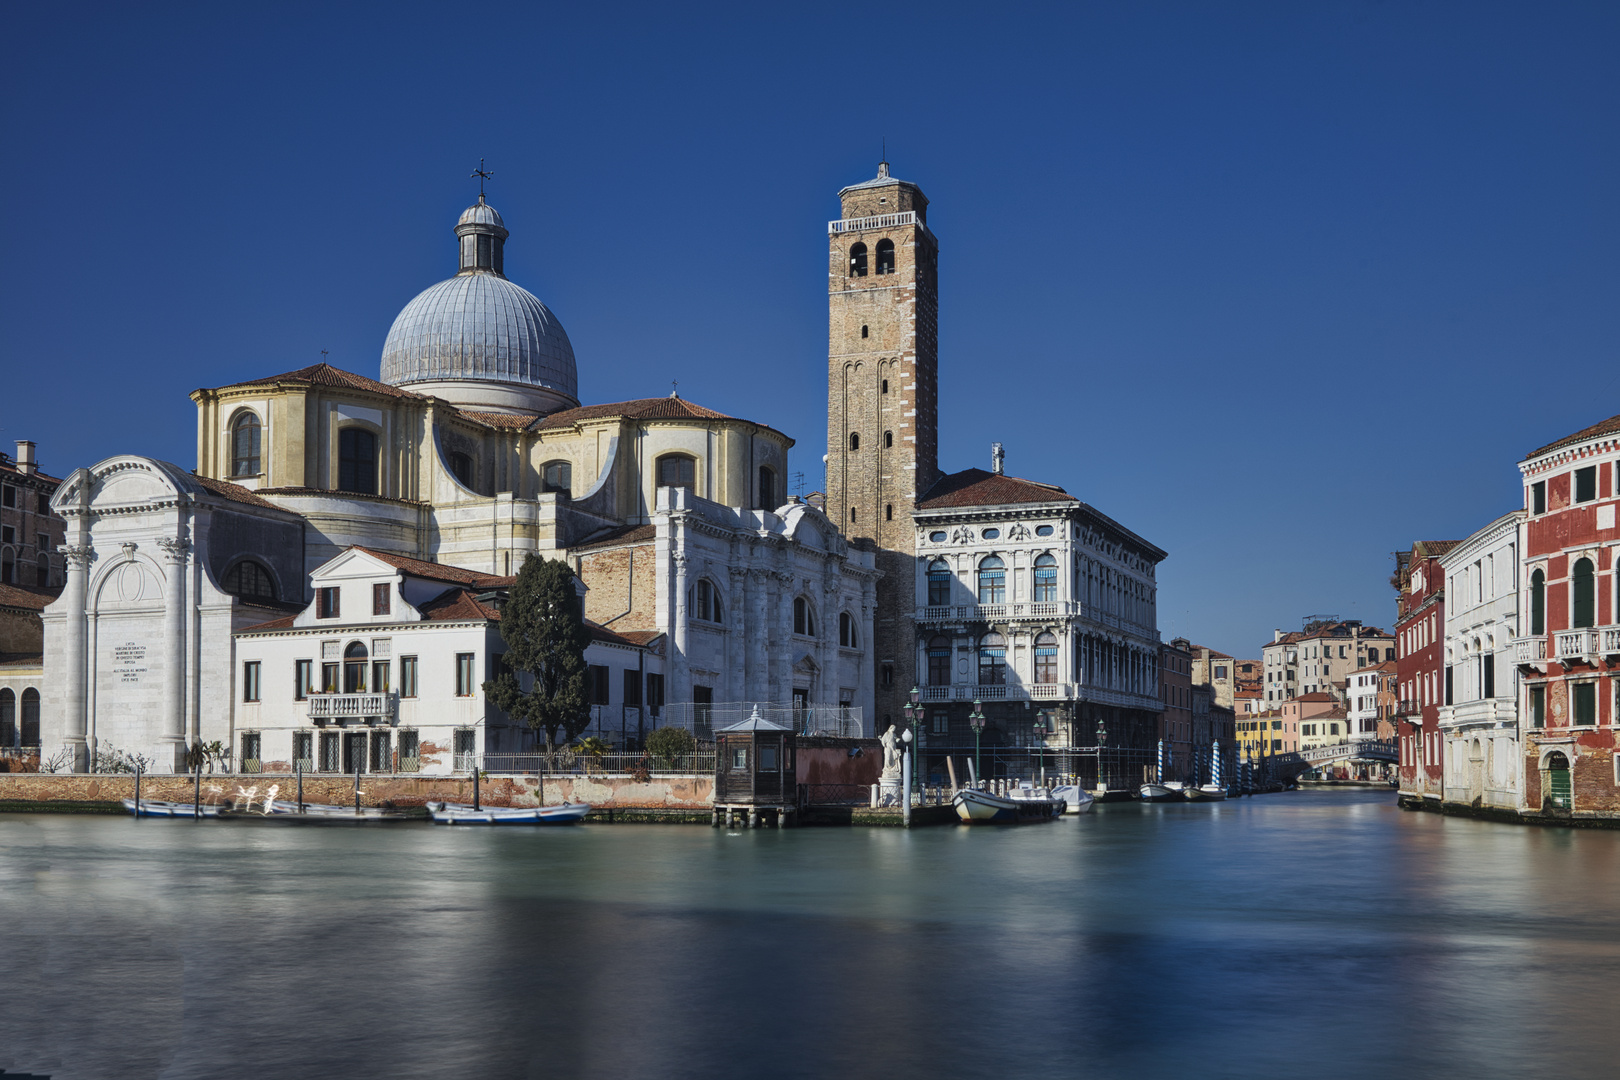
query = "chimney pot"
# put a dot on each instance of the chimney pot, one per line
(25, 457)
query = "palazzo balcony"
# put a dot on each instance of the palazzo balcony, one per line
(1027, 611)
(1588, 644)
(1040, 692)
(1530, 650)
(379, 706)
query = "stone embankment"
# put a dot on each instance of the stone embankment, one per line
(1569, 819)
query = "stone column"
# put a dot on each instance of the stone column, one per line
(737, 632)
(174, 643)
(781, 660)
(680, 688)
(75, 658)
(759, 632)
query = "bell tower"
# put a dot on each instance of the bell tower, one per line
(882, 401)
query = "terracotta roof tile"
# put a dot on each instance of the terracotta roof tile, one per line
(976, 487)
(500, 420)
(1316, 697)
(438, 571)
(7, 465)
(21, 659)
(1611, 426)
(24, 596)
(624, 534)
(234, 492)
(332, 493)
(640, 637)
(327, 375)
(458, 605)
(660, 408)
(274, 624)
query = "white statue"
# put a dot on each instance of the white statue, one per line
(891, 752)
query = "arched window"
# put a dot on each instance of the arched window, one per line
(939, 660)
(854, 440)
(846, 631)
(461, 466)
(8, 718)
(1045, 579)
(245, 433)
(1538, 604)
(354, 668)
(992, 580)
(706, 602)
(1583, 594)
(885, 257)
(804, 619)
(992, 660)
(888, 439)
(357, 461)
(250, 581)
(1046, 659)
(857, 261)
(30, 717)
(888, 511)
(558, 477)
(939, 582)
(677, 470)
(767, 488)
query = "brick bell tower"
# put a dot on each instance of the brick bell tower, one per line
(883, 401)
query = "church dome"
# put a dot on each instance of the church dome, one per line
(478, 340)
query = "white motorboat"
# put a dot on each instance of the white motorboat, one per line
(987, 808)
(288, 811)
(1076, 799)
(1160, 793)
(1206, 793)
(462, 814)
(159, 808)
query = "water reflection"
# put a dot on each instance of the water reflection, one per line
(1305, 934)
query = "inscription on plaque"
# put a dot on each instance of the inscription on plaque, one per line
(129, 662)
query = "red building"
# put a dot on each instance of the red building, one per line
(1569, 658)
(1420, 666)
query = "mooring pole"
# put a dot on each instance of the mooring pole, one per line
(196, 789)
(357, 787)
(137, 793)
(475, 784)
(300, 785)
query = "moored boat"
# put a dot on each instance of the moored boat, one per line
(986, 808)
(1205, 793)
(1076, 799)
(462, 814)
(289, 812)
(1160, 793)
(159, 808)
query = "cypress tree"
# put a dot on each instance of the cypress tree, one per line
(543, 625)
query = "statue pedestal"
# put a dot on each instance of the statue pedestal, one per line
(889, 790)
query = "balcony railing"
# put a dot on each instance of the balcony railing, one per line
(879, 221)
(1575, 644)
(1529, 650)
(352, 706)
(1028, 609)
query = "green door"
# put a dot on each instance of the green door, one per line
(1558, 787)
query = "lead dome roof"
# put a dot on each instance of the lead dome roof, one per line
(478, 326)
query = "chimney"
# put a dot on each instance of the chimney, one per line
(25, 458)
(1276, 635)
(997, 456)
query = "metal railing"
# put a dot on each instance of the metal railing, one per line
(844, 721)
(1030, 609)
(699, 763)
(345, 706)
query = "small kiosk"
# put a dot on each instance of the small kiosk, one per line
(754, 771)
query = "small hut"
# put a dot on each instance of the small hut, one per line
(754, 771)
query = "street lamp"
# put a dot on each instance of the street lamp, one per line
(1102, 737)
(912, 711)
(1040, 748)
(976, 722)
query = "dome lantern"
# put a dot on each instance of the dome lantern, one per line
(483, 239)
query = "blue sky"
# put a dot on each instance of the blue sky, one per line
(1281, 287)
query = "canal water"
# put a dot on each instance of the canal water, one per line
(1316, 934)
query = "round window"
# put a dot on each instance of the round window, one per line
(937, 537)
(992, 534)
(1043, 530)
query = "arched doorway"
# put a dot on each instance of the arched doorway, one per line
(8, 719)
(1558, 790)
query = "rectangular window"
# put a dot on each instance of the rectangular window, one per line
(1583, 703)
(381, 597)
(251, 763)
(43, 504)
(1586, 484)
(739, 759)
(632, 687)
(407, 676)
(329, 678)
(382, 754)
(1448, 684)
(8, 535)
(767, 759)
(303, 751)
(379, 676)
(250, 681)
(331, 761)
(596, 684)
(464, 674)
(466, 749)
(8, 495)
(410, 752)
(1538, 497)
(1489, 660)
(655, 690)
(942, 724)
(326, 603)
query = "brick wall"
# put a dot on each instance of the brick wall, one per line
(621, 579)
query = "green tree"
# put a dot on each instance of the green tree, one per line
(543, 625)
(670, 744)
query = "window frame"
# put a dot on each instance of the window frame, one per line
(382, 598)
(466, 683)
(252, 686)
(246, 421)
(329, 602)
(675, 458)
(303, 679)
(991, 578)
(409, 673)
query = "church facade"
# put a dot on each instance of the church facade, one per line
(471, 451)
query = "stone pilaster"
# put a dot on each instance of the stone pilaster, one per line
(76, 693)
(175, 551)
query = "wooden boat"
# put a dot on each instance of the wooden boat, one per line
(159, 808)
(1206, 793)
(984, 808)
(1076, 799)
(462, 814)
(1160, 793)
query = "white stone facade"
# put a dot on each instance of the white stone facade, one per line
(1479, 721)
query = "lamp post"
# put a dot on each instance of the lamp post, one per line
(1102, 737)
(1040, 748)
(976, 722)
(912, 711)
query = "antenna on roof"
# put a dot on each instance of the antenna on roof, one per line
(324, 355)
(482, 174)
(674, 389)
